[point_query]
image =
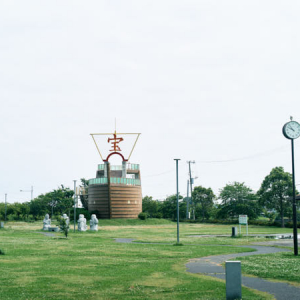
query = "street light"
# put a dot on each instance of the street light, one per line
(53, 204)
(29, 191)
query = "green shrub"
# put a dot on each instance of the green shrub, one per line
(158, 215)
(2, 252)
(80, 211)
(143, 216)
(12, 217)
(261, 222)
(64, 227)
(290, 225)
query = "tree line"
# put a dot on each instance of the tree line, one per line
(56, 202)
(272, 200)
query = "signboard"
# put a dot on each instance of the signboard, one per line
(243, 219)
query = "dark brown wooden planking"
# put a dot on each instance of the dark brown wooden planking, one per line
(125, 201)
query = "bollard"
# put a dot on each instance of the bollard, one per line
(234, 232)
(233, 280)
(1, 224)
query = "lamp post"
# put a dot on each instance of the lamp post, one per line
(177, 159)
(53, 204)
(31, 191)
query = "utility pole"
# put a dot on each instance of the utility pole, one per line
(74, 204)
(191, 184)
(177, 159)
(187, 200)
(5, 206)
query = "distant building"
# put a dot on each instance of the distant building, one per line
(116, 191)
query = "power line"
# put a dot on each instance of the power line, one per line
(152, 175)
(245, 157)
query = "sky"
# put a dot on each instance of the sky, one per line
(206, 81)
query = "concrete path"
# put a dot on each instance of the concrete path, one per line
(211, 266)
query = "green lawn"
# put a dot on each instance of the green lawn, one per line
(92, 265)
(283, 266)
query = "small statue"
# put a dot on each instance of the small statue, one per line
(82, 223)
(66, 218)
(46, 222)
(94, 223)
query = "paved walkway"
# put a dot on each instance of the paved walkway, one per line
(211, 266)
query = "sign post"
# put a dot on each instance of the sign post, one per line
(243, 220)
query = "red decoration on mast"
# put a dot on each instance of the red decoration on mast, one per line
(115, 142)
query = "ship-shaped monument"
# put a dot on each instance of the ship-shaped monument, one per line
(116, 191)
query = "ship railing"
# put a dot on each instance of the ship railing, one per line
(129, 166)
(115, 180)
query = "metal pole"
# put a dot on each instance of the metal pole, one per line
(177, 200)
(294, 204)
(31, 192)
(191, 190)
(187, 200)
(74, 204)
(5, 207)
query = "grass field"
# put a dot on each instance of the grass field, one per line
(279, 266)
(92, 265)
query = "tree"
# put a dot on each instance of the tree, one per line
(203, 200)
(62, 197)
(238, 199)
(152, 207)
(64, 226)
(84, 194)
(39, 206)
(169, 208)
(276, 191)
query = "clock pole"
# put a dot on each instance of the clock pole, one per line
(291, 130)
(294, 203)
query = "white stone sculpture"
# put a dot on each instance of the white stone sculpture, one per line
(82, 223)
(94, 223)
(46, 222)
(66, 218)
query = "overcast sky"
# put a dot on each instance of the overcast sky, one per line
(210, 81)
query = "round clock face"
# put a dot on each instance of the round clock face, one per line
(291, 130)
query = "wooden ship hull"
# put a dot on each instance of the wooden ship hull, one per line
(112, 195)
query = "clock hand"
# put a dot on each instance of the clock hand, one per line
(291, 128)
